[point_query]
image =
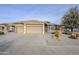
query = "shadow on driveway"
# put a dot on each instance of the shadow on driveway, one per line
(4, 46)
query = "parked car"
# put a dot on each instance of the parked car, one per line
(67, 32)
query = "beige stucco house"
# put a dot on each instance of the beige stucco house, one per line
(33, 26)
(30, 27)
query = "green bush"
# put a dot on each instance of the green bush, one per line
(2, 33)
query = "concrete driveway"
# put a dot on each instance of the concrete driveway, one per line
(37, 44)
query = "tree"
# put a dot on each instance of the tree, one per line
(71, 19)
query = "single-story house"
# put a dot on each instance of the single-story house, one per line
(33, 26)
(5, 27)
(29, 26)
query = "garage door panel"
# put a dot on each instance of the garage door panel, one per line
(19, 29)
(34, 29)
(34, 25)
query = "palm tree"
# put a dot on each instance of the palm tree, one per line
(71, 19)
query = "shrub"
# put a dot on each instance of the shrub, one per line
(2, 33)
(73, 36)
(67, 33)
(77, 35)
(10, 31)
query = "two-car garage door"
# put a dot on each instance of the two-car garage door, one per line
(34, 29)
(30, 29)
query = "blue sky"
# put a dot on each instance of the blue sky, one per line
(46, 12)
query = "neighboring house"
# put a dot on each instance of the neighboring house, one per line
(7, 27)
(3, 27)
(11, 28)
(30, 26)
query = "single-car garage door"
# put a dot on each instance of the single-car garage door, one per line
(34, 28)
(20, 29)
